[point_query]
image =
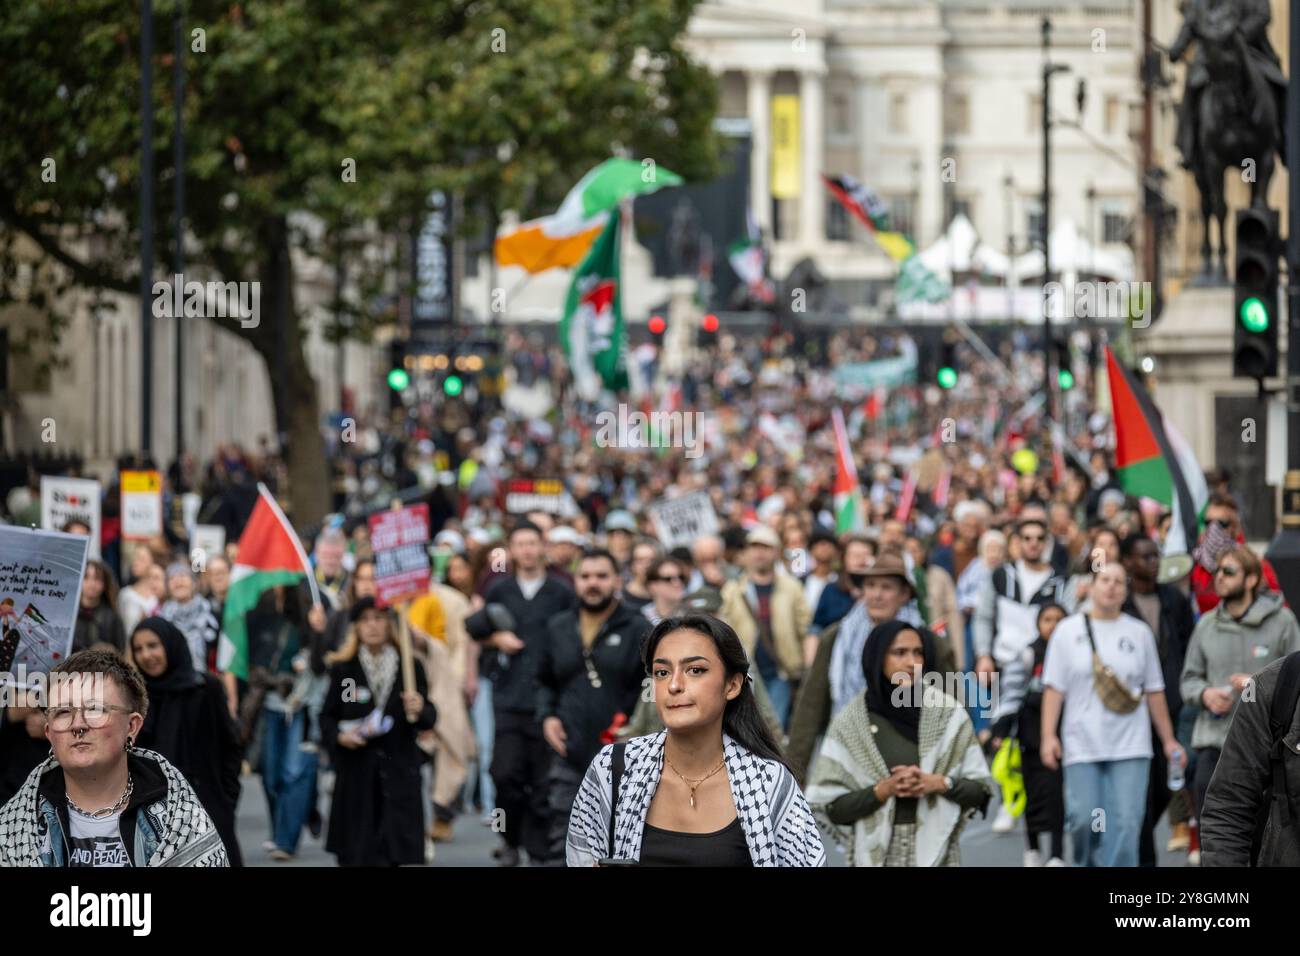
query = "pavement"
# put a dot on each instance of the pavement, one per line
(472, 842)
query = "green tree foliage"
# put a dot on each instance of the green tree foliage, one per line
(505, 102)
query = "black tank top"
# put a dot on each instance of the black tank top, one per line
(725, 847)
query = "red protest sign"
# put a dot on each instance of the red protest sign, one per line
(399, 540)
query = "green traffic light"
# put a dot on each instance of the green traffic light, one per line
(398, 379)
(453, 385)
(947, 377)
(1066, 379)
(1254, 315)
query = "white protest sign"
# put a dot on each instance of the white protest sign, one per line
(142, 511)
(40, 588)
(71, 499)
(209, 540)
(190, 504)
(680, 521)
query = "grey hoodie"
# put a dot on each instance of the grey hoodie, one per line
(1221, 647)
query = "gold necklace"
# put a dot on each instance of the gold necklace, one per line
(695, 784)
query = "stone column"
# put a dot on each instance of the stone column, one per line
(759, 88)
(812, 202)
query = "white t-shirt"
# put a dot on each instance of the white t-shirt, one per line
(1031, 581)
(530, 586)
(1089, 731)
(95, 841)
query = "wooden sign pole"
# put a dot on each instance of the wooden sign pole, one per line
(408, 658)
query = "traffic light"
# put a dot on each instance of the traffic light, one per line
(398, 378)
(946, 375)
(1255, 281)
(657, 327)
(709, 329)
(453, 385)
(1064, 372)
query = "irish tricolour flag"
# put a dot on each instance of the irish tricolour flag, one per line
(848, 500)
(269, 554)
(1153, 460)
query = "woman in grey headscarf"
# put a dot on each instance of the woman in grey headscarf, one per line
(191, 613)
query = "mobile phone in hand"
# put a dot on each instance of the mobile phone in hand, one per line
(609, 861)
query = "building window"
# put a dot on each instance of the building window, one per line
(1114, 112)
(957, 116)
(1116, 224)
(900, 214)
(837, 221)
(1034, 221)
(1035, 121)
(898, 113)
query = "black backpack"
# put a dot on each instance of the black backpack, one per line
(1286, 695)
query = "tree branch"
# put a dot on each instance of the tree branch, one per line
(86, 273)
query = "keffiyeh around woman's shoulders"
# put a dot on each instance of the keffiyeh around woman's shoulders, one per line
(850, 761)
(779, 827)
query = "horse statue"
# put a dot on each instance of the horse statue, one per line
(1232, 111)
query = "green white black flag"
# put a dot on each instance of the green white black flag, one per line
(592, 330)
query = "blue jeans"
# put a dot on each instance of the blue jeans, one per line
(778, 694)
(978, 718)
(288, 777)
(1105, 803)
(484, 722)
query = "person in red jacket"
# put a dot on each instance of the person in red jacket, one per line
(1222, 525)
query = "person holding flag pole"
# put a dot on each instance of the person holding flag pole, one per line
(265, 642)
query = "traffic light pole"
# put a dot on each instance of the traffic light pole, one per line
(1047, 214)
(1284, 552)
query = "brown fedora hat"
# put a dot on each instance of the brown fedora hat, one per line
(890, 565)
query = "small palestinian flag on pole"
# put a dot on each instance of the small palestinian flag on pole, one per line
(907, 498)
(270, 554)
(848, 497)
(1152, 460)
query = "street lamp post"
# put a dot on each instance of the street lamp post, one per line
(1284, 552)
(146, 226)
(1045, 228)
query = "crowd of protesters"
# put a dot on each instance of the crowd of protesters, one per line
(994, 569)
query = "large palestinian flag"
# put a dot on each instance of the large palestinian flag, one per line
(269, 554)
(1153, 460)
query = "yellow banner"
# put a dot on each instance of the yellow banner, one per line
(785, 147)
(141, 481)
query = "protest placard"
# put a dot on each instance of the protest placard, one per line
(679, 521)
(399, 540)
(40, 588)
(209, 540)
(71, 499)
(142, 511)
(539, 494)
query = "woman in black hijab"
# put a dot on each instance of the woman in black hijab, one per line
(900, 770)
(189, 723)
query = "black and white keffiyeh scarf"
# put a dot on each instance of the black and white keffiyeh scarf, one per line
(779, 827)
(381, 671)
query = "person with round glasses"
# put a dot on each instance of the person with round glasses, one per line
(1248, 629)
(97, 800)
(667, 583)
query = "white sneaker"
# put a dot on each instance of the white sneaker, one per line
(1194, 858)
(1004, 822)
(1056, 861)
(1033, 858)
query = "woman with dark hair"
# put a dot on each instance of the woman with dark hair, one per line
(97, 620)
(900, 770)
(371, 726)
(711, 789)
(189, 724)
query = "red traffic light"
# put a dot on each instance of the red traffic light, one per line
(710, 323)
(657, 325)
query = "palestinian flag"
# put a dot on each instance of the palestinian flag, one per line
(915, 280)
(848, 498)
(1152, 460)
(269, 554)
(592, 330)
